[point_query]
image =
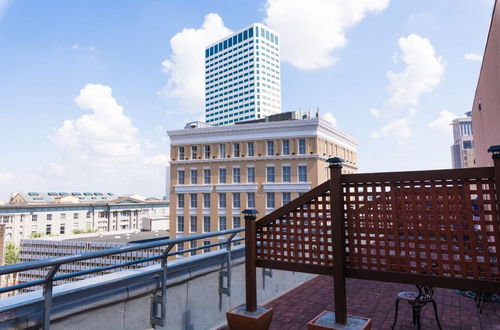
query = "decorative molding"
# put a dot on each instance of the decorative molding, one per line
(198, 188)
(286, 187)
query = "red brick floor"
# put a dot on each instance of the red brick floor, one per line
(376, 300)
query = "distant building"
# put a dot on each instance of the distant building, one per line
(49, 214)
(462, 150)
(217, 172)
(42, 248)
(486, 106)
(242, 76)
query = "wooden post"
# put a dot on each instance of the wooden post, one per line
(338, 231)
(250, 260)
(495, 151)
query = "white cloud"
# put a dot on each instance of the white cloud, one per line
(473, 57)
(75, 46)
(375, 112)
(186, 66)
(310, 30)
(105, 133)
(330, 118)
(444, 120)
(400, 129)
(104, 150)
(158, 160)
(422, 73)
(6, 177)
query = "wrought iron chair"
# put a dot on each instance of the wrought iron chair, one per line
(417, 301)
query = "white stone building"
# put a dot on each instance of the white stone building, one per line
(52, 214)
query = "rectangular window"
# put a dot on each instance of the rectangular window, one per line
(222, 200)
(251, 200)
(270, 148)
(180, 223)
(193, 246)
(236, 200)
(180, 200)
(63, 216)
(236, 150)
(286, 177)
(75, 215)
(206, 176)
(286, 147)
(48, 229)
(193, 226)
(207, 151)
(207, 249)
(302, 146)
(468, 144)
(194, 201)
(251, 174)
(206, 224)
(194, 176)
(194, 152)
(222, 223)
(270, 201)
(49, 217)
(236, 175)
(34, 228)
(270, 174)
(250, 32)
(222, 150)
(34, 217)
(302, 173)
(236, 222)
(180, 177)
(206, 201)
(180, 247)
(250, 149)
(222, 175)
(287, 197)
(62, 229)
(182, 155)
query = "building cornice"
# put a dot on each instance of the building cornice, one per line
(315, 127)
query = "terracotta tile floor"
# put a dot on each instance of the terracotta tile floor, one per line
(376, 300)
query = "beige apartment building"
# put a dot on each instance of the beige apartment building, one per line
(216, 172)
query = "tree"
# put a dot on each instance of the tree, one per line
(11, 254)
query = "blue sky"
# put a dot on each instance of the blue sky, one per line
(88, 88)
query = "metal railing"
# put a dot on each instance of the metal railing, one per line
(159, 301)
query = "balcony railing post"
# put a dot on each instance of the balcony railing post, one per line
(338, 239)
(250, 260)
(495, 154)
(47, 296)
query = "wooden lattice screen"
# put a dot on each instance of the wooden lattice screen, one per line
(441, 224)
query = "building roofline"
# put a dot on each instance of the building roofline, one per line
(320, 122)
(484, 53)
(241, 30)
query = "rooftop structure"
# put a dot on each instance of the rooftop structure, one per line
(462, 150)
(242, 76)
(60, 197)
(42, 248)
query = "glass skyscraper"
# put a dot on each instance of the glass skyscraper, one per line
(242, 76)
